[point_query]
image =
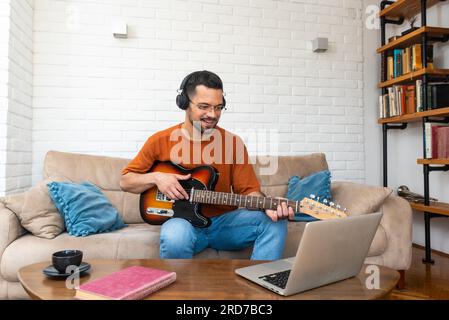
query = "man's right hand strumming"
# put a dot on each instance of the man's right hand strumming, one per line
(168, 184)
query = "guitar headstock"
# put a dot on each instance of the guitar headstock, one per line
(322, 211)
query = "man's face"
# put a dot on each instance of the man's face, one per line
(204, 110)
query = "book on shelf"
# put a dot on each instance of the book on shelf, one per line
(406, 59)
(410, 96)
(406, 99)
(403, 61)
(390, 67)
(131, 283)
(398, 101)
(419, 96)
(443, 142)
(397, 56)
(436, 137)
(416, 59)
(437, 95)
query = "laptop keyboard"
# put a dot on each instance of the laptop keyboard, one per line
(279, 279)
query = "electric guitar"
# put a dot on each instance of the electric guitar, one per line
(156, 207)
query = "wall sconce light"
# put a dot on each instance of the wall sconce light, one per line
(319, 44)
(120, 30)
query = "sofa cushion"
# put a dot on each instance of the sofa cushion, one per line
(287, 166)
(318, 184)
(359, 198)
(275, 185)
(137, 241)
(36, 211)
(104, 172)
(85, 209)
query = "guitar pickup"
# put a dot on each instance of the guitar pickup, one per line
(161, 212)
(162, 197)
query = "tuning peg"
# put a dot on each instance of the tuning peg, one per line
(338, 207)
(325, 201)
(318, 199)
(312, 196)
(331, 204)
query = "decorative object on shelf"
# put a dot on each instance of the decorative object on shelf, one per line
(393, 38)
(411, 21)
(404, 192)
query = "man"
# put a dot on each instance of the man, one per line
(232, 228)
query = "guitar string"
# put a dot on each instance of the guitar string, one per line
(207, 193)
(201, 193)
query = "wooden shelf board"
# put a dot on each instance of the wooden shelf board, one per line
(414, 117)
(412, 76)
(435, 207)
(433, 161)
(414, 37)
(405, 8)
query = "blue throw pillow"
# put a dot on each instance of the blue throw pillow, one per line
(84, 208)
(318, 184)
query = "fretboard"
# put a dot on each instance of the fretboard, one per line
(231, 199)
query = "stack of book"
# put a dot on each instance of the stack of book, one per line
(437, 140)
(403, 61)
(405, 99)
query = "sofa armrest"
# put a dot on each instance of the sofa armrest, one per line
(397, 222)
(10, 227)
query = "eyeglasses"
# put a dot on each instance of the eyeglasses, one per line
(206, 107)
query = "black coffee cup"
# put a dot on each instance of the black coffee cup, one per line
(62, 259)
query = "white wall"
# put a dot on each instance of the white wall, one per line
(97, 94)
(371, 76)
(404, 146)
(4, 37)
(16, 95)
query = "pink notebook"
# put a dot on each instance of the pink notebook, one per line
(132, 283)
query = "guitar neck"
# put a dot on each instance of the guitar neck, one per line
(231, 199)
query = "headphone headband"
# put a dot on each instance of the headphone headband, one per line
(182, 99)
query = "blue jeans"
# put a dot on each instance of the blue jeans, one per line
(234, 230)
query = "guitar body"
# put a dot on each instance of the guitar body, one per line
(156, 208)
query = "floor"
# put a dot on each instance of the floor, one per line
(423, 281)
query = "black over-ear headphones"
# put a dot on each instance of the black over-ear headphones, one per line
(182, 99)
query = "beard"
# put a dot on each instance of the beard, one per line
(204, 125)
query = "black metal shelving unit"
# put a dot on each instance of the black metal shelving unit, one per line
(425, 77)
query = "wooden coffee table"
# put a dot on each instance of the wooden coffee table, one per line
(200, 279)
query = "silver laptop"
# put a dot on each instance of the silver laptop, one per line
(329, 251)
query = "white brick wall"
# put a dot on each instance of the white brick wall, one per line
(16, 95)
(100, 95)
(16, 19)
(4, 37)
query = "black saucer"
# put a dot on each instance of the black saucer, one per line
(52, 272)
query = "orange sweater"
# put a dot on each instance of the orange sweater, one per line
(226, 152)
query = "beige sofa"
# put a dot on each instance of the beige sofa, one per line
(391, 246)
